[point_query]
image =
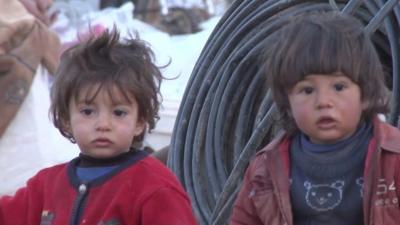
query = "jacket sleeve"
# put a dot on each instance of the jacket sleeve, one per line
(23, 208)
(167, 206)
(244, 212)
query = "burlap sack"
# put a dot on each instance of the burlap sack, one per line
(25, 42)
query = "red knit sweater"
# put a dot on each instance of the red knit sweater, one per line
(142, 192)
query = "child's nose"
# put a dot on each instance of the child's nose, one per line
(324, 100)
(103, 122)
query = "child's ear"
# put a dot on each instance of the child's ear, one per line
(66, 126)
(68, 129)
(140, 126)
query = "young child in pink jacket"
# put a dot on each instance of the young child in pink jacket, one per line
(336, 162)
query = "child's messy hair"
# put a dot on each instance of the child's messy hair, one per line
(105, 60)
(323, 43)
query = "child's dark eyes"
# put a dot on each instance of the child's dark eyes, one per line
(339, 87)
(120, 113)
(307, 90)
(87, 112)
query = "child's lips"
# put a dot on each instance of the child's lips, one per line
(326, 122)
(102, 142)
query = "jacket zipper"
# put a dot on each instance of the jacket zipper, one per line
(77, 209)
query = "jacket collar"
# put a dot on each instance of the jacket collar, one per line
(388, 136)
(274, 142)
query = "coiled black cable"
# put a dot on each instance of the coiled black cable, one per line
(225, 114)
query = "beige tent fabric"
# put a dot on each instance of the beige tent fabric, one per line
(13, 18)
(25, 43)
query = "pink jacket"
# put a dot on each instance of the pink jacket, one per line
(264, 197)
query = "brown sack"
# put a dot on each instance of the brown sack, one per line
(25, 42)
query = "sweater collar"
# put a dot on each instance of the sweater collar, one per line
(363, 133)
(387, 136)
(89, 161)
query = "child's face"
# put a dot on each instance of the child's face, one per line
(104, 128)
(327, 108)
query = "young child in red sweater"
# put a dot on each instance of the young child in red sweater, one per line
(104, 98)
(337, 162)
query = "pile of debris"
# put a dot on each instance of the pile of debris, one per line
(174, 19)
